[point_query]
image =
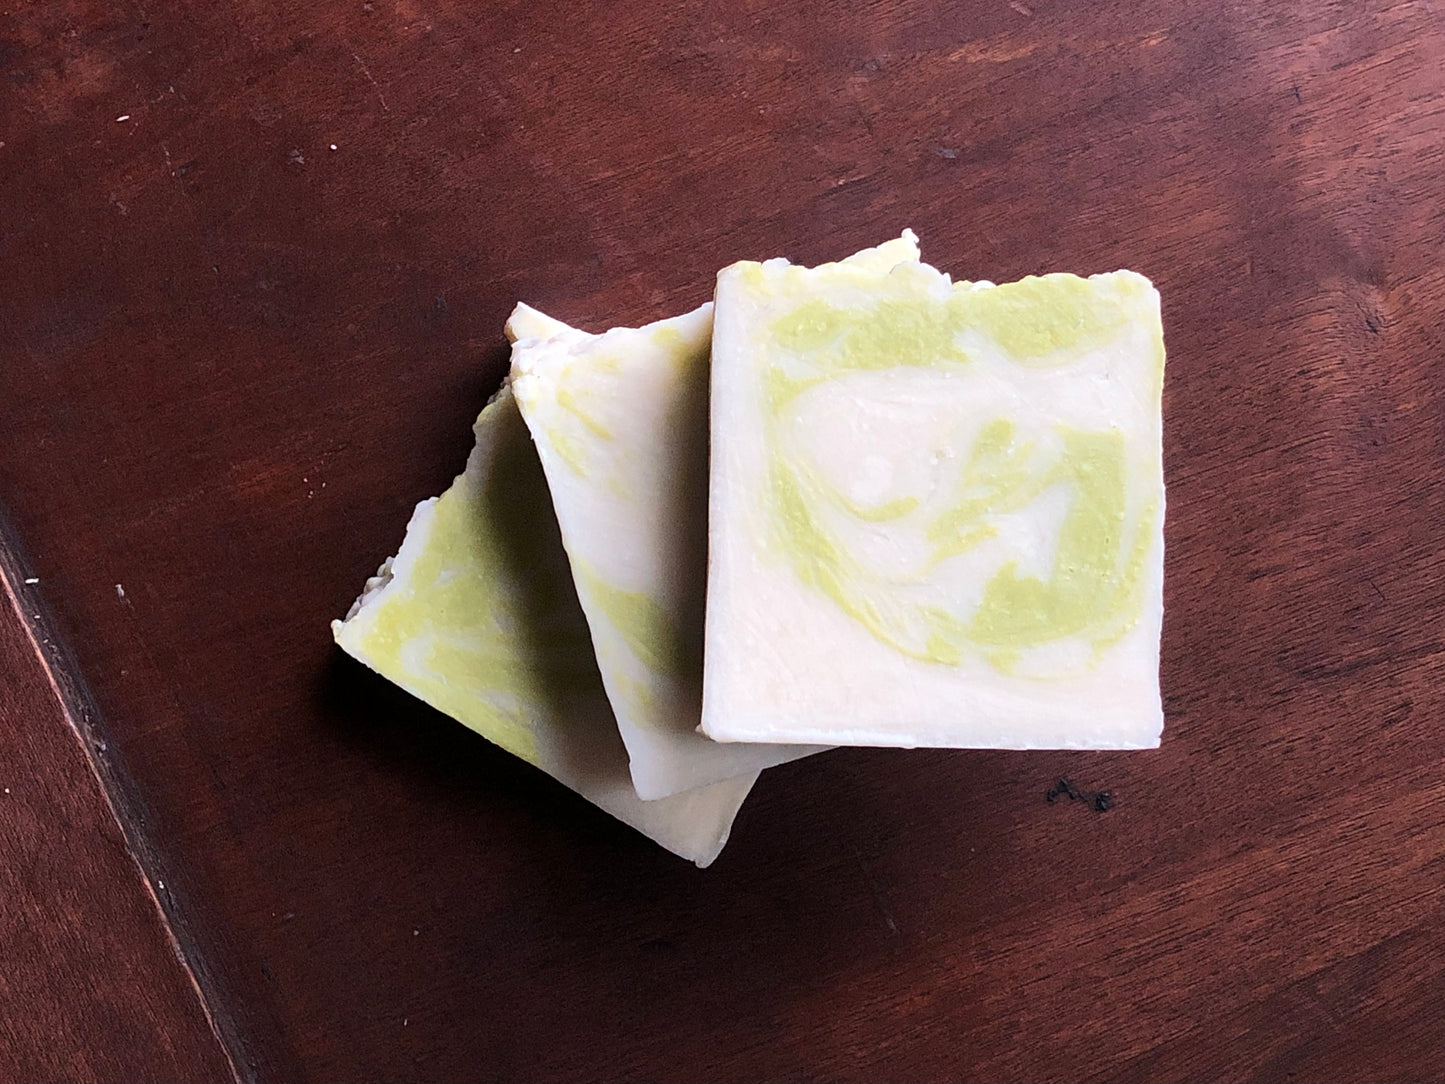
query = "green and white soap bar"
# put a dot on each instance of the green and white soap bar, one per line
(476, 615)
(620, 421)
(936, 509)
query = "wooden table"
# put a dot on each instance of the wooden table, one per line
(254, 262)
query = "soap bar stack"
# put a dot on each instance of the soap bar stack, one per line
(856, 504)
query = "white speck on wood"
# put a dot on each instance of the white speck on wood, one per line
(122, 118)
(32, 579)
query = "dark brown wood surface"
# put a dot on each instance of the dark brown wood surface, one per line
(254, 261)
(91, 983)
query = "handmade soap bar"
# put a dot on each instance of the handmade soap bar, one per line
(621, 424)
(476, 615)
(936, 509)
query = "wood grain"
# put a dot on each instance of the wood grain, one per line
(91, 988)
(232, 358)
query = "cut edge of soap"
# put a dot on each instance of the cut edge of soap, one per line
(862, 737)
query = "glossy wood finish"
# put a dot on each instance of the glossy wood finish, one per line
(232, 358)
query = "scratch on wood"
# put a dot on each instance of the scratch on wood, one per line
(992, 54)
(381, 97)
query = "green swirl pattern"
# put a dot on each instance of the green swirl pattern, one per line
(1094, 592)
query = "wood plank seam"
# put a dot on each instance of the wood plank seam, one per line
(77, 705)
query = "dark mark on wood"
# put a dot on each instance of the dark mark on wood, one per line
(1101, 800)
(1061, 788)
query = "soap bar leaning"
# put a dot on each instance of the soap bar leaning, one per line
(936, 509)
(620, 421)
(476, 615)
(620, 424)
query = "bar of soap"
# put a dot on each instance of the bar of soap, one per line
(476, 615)
(620, 425)
(936, 509)
(620, 421)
